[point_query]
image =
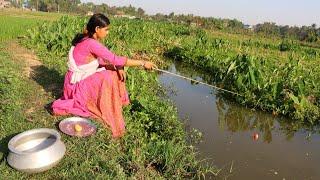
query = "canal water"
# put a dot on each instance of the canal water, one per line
(244, 143)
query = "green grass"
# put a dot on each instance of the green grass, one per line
(154, 146)
(14, 26)
(15, 23)
(26, 14)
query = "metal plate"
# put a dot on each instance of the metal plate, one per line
(67, 126)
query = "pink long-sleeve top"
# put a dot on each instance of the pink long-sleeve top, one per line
(89, 49)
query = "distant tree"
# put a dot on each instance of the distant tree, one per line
(305, 33)
(235, 24)
(171, 15)
(268, 28)
(140, 12)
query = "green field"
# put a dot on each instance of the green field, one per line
(17, 22)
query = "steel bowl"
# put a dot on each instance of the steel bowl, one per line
(36, 150)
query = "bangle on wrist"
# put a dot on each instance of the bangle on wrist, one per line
(142, 63)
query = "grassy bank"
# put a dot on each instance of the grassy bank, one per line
(155, 144)
(275, 75)
(281, 77)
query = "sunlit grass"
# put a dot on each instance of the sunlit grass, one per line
(14, 23)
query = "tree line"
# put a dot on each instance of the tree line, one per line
(305, 33)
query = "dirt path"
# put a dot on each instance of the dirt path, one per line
(25, 57)
(37, 104)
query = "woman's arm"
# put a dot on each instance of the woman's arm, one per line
(130, 62)
(101, 51)
(146, 64)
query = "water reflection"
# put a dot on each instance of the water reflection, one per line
(285, 149)
(236, 118)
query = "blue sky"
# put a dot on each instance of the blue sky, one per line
(291, 12)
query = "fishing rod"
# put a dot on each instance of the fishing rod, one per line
(177, 75)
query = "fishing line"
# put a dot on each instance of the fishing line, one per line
(177, 75)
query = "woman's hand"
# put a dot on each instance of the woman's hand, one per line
(121, 74)
(145, 64)
(149, 65)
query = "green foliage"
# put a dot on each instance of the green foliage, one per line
(264, 80)
(305, 33)
(288, 45)
(14, 27)
(155, 144)
(56, 36)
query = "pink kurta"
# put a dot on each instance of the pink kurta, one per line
(101, 95)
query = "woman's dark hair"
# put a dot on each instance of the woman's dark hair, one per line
(95, 20)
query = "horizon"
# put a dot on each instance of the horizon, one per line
(257, 13)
